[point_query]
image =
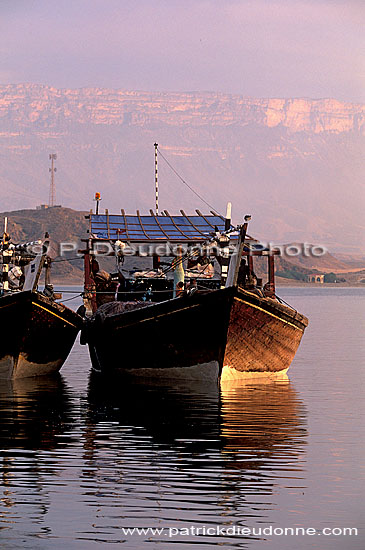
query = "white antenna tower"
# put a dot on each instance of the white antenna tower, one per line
(52, 189)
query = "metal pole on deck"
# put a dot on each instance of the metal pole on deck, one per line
(97, 199)
(240, 247)
(224, 244)
(227, 223)
(5, 253)
(271, 269)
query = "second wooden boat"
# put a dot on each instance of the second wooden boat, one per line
(37, 331)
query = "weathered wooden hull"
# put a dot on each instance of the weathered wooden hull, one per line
(37, 335)
(263, 336)
(186, 336)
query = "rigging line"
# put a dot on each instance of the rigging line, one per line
(186, 183)
(121, 292)
(201, 273)
(68, 299)
(180, 260)
(286, 303)
(65, 291)
(66, 260)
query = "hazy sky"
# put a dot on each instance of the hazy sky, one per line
(262, 48)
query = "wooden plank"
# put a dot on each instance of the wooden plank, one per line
(142, 227)
(159, 225)
(191, 223)
(174, 224)
(107, 222)
(125, 222)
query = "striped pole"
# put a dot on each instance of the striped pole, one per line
(5, 259)
(5, 271)
(156, 178)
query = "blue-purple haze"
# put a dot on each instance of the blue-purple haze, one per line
(260, 48)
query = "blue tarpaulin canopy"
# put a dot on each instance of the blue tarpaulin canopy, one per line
(163, 227)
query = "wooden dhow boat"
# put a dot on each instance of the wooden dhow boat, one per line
(151, 323)
(38, 332)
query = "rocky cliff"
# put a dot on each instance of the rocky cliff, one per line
(51, 108)
(294, 164)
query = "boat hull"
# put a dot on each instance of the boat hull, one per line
(165, 338)
(231, 328)
(263, 336)
(38, 335)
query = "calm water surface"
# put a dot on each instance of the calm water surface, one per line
(82, 459)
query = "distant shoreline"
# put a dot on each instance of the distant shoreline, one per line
(294, 283)
(279, 284)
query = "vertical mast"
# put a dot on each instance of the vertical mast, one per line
(240, 247)
(235, 262)
(156, 178)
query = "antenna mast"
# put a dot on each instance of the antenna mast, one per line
(52, 189)
(156, 178)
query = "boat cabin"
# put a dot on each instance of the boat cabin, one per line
(174, 255)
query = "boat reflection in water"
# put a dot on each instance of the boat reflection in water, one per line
(261, 422)
(190, 454)
(35, 413)
(142, 454)
(168, 412)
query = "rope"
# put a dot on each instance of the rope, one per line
(286, 303)
(201, 273)
(179, 261)
(72, 298)
(187, 185)
(66, 260)
(127, 291)
(66, 291)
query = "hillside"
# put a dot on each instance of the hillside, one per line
(295, 164)
(352, 260)
(62, 224)
(70, 226)
(325, 263)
